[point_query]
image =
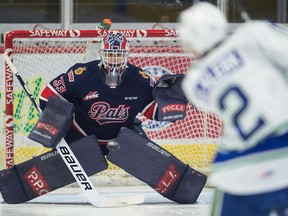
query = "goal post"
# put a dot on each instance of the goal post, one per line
(41, 55)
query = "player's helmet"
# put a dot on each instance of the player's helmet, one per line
(114, 56)
(201, 27)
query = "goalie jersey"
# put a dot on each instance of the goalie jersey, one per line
(244, 80)
(99, 109)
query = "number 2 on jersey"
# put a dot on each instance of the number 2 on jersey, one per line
(240, 112)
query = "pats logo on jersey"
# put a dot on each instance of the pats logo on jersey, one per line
(155, 72)
(103, 113)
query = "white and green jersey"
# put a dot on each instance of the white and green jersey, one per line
(245, 82)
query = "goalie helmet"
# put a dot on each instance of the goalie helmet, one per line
(114, 56)
(201, 27)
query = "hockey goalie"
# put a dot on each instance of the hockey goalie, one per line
(96, 103)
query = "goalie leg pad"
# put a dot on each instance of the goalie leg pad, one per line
(11, 186)
(157, 167)
(190, 186)
(48, 171)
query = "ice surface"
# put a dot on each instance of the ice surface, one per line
(72, 202)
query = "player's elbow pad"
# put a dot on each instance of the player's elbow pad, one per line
(53, 124)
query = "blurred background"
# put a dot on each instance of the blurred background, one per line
(89, 11)
(166, 11)
(128, 14)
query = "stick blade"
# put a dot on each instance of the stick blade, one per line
(119, 201)
(99, 200)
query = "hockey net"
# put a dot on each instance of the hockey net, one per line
(41, 55)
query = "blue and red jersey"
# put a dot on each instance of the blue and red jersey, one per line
(99, 109)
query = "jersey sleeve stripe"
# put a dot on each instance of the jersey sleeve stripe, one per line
(50, 91)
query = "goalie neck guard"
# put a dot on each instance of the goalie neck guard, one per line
(114, 57)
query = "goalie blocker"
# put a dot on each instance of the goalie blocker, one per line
(54, 123)
(157, 167)
(48, 171)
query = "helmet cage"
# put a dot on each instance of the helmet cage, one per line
(114, 57)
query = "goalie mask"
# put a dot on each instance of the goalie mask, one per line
(114, 56)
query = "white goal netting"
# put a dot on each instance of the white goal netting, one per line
(43, 54)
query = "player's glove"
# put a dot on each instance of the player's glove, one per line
(170, 97)
(53, 124)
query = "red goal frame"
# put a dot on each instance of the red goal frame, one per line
(61, 34)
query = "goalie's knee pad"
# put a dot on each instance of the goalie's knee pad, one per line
(157, 167)
(48, 172)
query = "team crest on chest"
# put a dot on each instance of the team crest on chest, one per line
(103, 113)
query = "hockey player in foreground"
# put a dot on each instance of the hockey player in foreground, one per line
(100, 100)
(243, 78)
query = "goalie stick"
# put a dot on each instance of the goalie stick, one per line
(67, 155)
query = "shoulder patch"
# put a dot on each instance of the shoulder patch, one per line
(70, 76)
(144, 75)
(79, 70)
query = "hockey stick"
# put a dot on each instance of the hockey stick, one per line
(73, 164)
(242, 12)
